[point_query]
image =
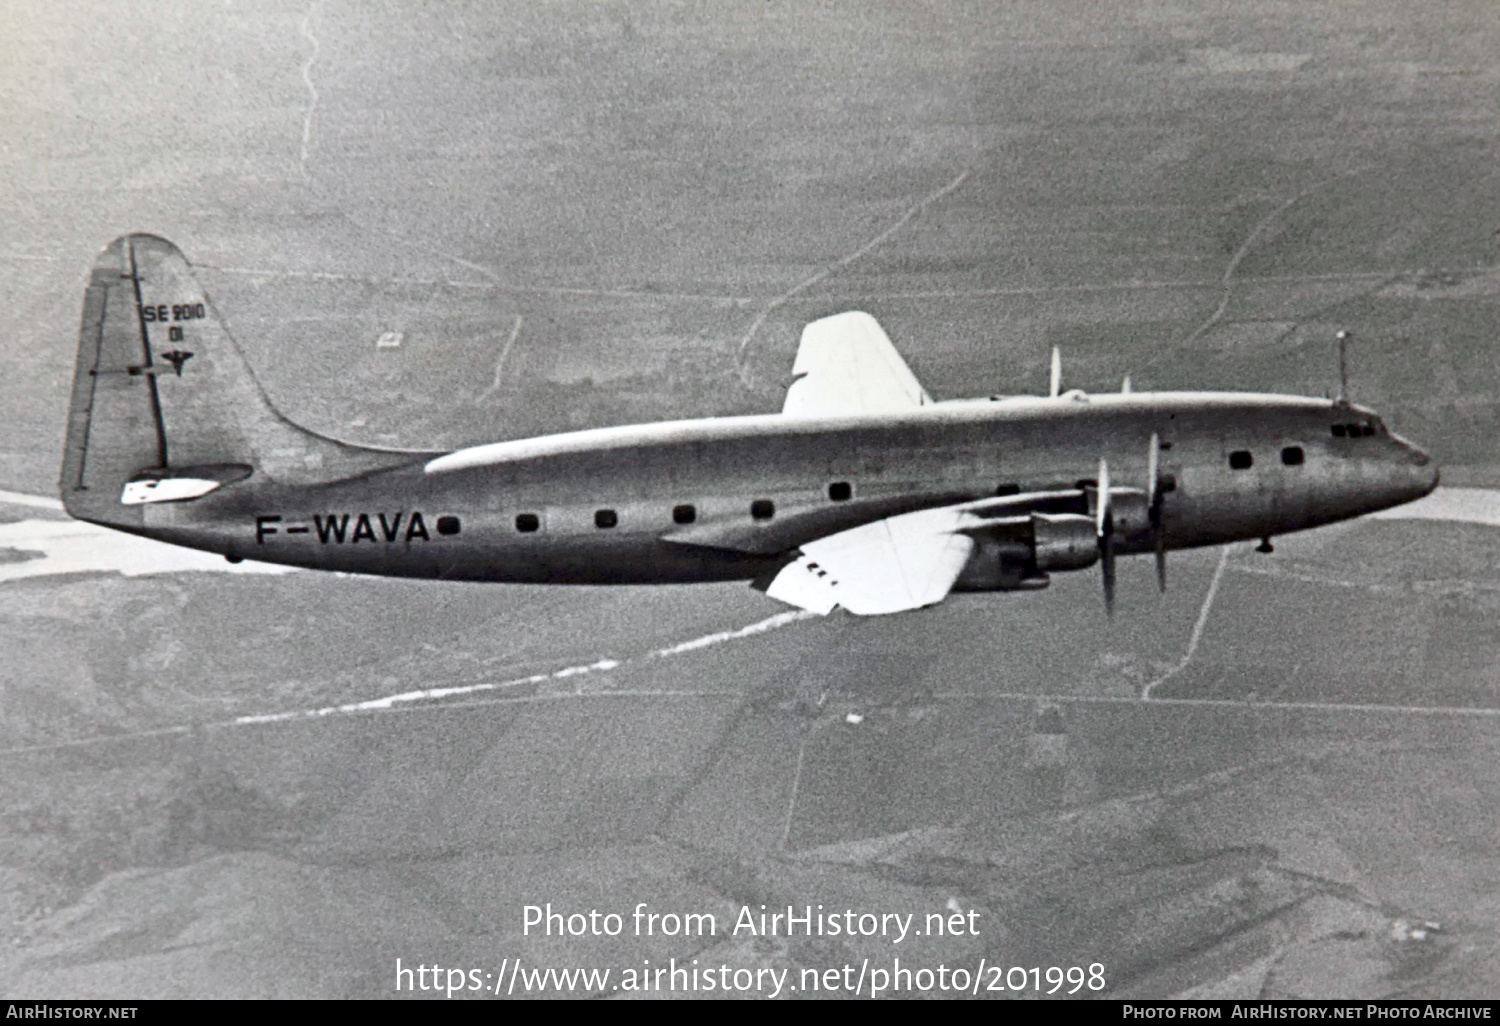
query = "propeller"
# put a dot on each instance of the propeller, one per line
(1104, 522)
(1153, 509)
(1055, 384)
(1104, 529)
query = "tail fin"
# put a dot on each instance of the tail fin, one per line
(161, 393)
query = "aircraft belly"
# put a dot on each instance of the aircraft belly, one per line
(644, 559)
(623, 559)
(1215, 516)
(1266, 503)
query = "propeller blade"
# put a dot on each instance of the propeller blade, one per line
(1103, 515)
(1055, 386)
(1153, 506)
(1107, 567)
(1153, 470)
(1125, 386)
(1104, 528)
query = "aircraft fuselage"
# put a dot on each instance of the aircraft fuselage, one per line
(727, 498)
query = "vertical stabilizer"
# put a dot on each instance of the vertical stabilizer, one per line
(162, 393)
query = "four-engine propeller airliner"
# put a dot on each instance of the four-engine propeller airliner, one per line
(863, 492)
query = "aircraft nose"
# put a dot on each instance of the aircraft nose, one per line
(1427, 476)
(1421, 472)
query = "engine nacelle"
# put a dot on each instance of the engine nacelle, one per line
(1063, 541)
(1131, 514)
(1021, 551)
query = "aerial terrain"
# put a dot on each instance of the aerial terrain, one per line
(433, 225)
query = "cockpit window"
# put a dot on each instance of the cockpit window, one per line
(1358, 429)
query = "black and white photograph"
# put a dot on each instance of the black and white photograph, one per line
(783, 499)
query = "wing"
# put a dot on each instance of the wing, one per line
(902, 562)
(905, 561)
(847, 366)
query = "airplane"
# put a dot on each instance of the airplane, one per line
(862, 492)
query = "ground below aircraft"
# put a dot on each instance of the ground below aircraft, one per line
(863, 492)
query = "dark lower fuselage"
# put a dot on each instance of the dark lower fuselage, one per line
(611, 506)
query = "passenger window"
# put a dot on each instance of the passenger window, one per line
(527, 522)
(1240, 459)
(1338, 431)
(1292, 456)
(604, 518)
(684, 514)
(762, 509)
(840, 491)
(448, 525)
